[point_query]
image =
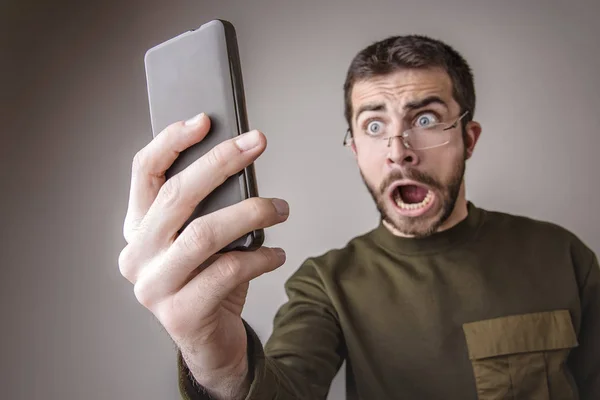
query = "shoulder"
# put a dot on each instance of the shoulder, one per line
(538, 233)
(328, 266)
(521, 225)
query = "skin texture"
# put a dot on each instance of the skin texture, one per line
(199, 297)
(440, 169)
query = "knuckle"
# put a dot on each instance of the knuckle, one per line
(215, 157)
(170, 129)
(217, 161)
(260, 211)
(140, 230)
(170, 192)
(143, 294)
(126, 263)
(229, 266)
(200, 235)
(140, 161)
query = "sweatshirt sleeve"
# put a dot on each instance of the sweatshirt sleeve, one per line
(304, 352)
(585, 359)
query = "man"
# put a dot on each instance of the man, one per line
(443, 300)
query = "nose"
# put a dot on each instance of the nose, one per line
(400, 154)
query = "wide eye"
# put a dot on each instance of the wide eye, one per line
(374, 128)
(424, 120)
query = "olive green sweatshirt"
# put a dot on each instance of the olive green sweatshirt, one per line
(497, 307)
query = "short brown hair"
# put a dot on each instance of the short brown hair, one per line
(411, 51)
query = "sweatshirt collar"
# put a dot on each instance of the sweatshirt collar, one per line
(438, 242)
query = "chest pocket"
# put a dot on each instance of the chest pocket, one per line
(522, 357)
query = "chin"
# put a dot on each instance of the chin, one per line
(424, 223)
(414, 203)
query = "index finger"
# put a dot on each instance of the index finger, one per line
(151, 163)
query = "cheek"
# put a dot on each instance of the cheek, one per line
(371, 163)
(446, 163)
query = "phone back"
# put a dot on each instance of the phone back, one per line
(192, 73)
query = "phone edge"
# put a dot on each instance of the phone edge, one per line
(256, 237)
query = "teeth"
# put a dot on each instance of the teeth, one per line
(415, 206)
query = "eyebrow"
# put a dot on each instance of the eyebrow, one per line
(413, 105)
(369, 107)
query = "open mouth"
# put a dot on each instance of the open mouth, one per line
(412, 199)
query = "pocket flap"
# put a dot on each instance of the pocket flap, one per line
(552, 330)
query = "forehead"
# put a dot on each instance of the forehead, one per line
(403, 86)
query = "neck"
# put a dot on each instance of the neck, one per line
(459, 213)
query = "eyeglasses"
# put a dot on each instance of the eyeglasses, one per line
(418, 138)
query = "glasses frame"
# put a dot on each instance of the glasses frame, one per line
(348, 139)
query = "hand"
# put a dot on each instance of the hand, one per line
(196, 295)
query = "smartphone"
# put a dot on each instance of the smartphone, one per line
(200, 71)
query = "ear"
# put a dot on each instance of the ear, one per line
(350, 137)
(472, 133)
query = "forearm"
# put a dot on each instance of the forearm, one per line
(266, 378)
(301, 358)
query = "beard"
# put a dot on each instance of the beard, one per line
(427, 224)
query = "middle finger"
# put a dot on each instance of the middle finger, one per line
(207, 235)
(179, 196)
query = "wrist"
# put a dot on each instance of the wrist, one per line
(231, 383)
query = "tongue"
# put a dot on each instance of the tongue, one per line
(412, 194)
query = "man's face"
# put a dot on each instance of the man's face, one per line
(415, 190)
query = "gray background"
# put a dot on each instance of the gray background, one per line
(75, 112)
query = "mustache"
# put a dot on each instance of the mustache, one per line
(411, 174)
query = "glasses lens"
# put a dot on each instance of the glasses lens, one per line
(431, 136)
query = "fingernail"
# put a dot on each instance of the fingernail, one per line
(281, 206)
(280, 254)
(247, 141)
(194, 120)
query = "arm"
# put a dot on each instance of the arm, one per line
(304, 352)
(585, 359)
